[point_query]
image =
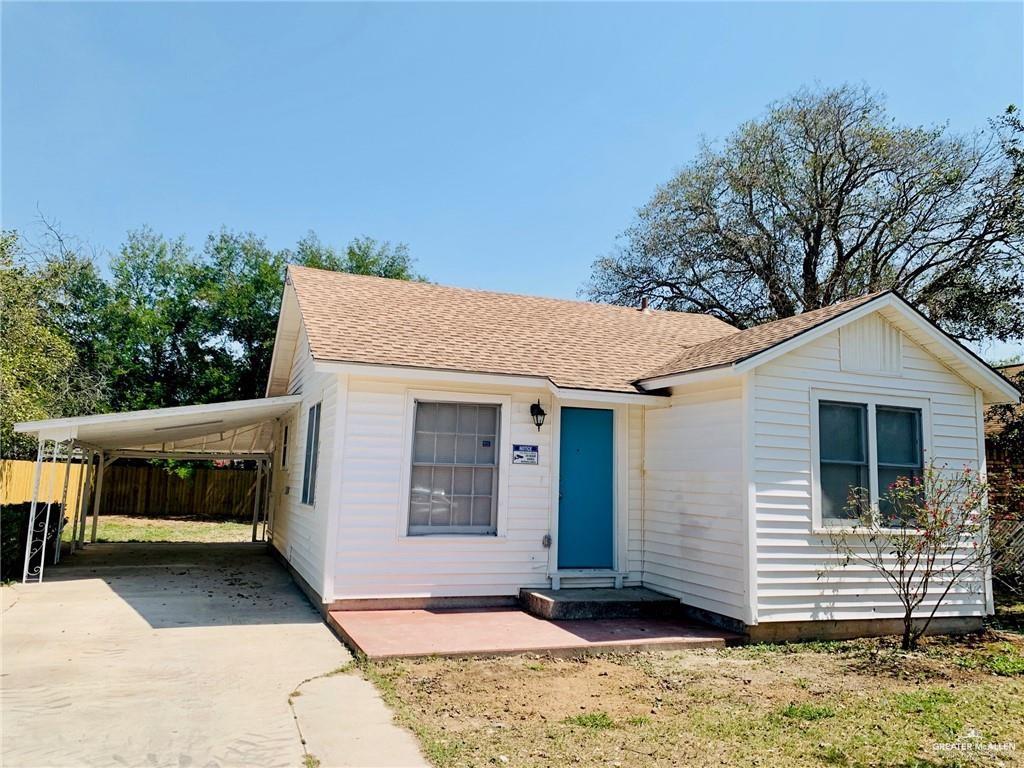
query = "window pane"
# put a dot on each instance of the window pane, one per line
(842, 430)
(421, 481)
(463, 480)
(465, 449)
(482, 510)
(440, 511)
(446, 417)
(836, 482)
(426, 417)
(886, 477)
(419, 511)
(487, 421)
(899, 437)
(482, 480)
(445, 449)
(467, 419)
(442, 484)
(485, 451)
(462, 509)
(423, 447)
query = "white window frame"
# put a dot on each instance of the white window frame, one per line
(309, 472)
(872, 399)
(285, 445)
(504, 465)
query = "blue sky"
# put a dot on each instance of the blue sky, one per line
(507, 144)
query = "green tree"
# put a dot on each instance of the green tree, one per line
(362, 256)
(241, 296)
(824, 198)
(158, 354)
(40, 375)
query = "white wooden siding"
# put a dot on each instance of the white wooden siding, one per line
(373, 558)
(693, 529)
(298, 529)
(635, 538)
(790, 555)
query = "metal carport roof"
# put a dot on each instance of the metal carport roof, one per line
(236, 429)
(240, 429)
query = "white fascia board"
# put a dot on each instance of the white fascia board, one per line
(49, 426)
(288, 314)
(603, 396)
(693, 377)
(444, 376)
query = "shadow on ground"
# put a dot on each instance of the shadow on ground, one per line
(192, 585)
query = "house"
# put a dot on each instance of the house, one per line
(456, 446)
(421, 445)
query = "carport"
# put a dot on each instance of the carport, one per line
(237, 430)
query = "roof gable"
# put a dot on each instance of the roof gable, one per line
(745, 350)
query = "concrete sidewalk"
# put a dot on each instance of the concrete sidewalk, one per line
(182, 655)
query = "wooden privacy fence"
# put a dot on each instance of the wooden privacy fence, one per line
(141, 490)
(16, 482)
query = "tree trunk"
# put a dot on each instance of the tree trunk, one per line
(908, 633)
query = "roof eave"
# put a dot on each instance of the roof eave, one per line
(450, 376)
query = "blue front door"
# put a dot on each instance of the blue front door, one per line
(585, 518)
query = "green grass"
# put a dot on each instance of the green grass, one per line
(809, 712)
(597, 721)
(117, 528)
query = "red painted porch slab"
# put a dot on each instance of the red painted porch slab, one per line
(503, 631)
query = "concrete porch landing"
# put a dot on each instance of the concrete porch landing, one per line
(510, 631)
(623, 603)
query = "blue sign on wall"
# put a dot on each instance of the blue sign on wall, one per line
(525, 454)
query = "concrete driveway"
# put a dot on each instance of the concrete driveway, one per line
(182, 655)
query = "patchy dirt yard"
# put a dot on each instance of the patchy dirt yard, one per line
(858, 703)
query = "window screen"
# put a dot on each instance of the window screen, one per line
(844, 456)
(312, 455)
(454, 468)
(898, 434)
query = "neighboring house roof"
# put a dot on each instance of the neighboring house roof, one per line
(741, 345)
(575, 344)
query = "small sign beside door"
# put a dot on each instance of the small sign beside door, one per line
(525, 454)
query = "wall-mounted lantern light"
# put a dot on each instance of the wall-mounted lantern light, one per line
(537, 413)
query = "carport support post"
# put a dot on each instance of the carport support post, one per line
(87, 502)
(32, 510)
(256, 497)
(64, 500)
(83, 486)
(49, 504)
(99, 497)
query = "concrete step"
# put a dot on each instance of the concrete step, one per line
(626, 603)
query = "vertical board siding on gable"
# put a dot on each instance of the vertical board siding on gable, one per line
(789, 555)
(299, 529)
(693, 527)
(374, 561)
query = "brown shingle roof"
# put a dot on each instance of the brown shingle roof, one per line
(740, 345)
(370, 320)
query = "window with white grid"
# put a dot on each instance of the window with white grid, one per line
(454, 486)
